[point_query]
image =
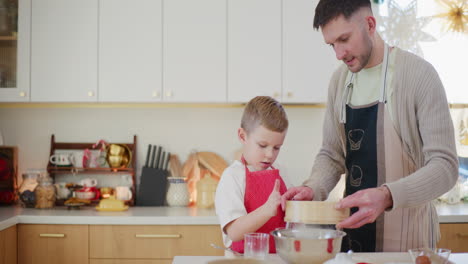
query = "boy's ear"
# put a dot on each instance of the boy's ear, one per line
(242, 135)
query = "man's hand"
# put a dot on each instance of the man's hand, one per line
(371, 202)
(300, 193)
(270, 207)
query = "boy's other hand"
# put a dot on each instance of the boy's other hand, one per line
(300, 193)
(274, 200)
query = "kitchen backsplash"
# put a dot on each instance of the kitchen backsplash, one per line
(180, 130)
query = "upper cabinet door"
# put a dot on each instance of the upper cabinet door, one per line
(254, 49)
(194, 64)
(308, 62)
(64, 51)
(130, 50)
(15, 26)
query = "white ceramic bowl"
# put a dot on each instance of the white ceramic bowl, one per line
(308, 245)
(85, 195)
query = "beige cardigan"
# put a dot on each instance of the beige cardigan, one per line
(421, 118)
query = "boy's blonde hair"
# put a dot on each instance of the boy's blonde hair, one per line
(265, 111)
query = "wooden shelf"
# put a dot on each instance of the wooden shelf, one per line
(54, 170)
(68, 170)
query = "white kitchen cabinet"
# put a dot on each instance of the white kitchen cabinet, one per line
(254, 49)
(64, 37)
(14, 55)
(194, 63)
(130, 50)
(308, 63)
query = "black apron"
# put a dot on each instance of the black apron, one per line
(362, 172)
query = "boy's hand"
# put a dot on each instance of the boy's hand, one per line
(300, 193)
(270, 207)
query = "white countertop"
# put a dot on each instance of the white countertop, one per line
(456, 213)
(375, 258)
(10, 216)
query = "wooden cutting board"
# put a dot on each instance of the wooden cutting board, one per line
(213, 162)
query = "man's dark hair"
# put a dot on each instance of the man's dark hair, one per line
(327, 10)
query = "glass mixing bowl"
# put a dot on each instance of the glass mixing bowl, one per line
(307, 245)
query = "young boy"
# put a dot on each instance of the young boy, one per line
(248, 194)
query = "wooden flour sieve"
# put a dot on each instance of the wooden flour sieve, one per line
(314, 212)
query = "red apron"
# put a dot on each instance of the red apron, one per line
(258, 187)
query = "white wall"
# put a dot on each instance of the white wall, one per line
(178, 129)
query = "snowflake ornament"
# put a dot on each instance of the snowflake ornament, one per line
(402, 27)
(455, 15)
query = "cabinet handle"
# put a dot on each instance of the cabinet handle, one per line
(90, 93)
(156, 94)
(52, 235)
(168, 94)
(276, 95)
(22, 94)
(290, 94)
(460, 235)
(157, 236)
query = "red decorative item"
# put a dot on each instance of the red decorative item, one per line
(8, 169)
(330, 245)
(297, 245)
(5, 169)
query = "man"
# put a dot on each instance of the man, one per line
(388, 127)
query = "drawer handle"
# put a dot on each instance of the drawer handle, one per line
(52, 235)
(157, 236)
(460, 235)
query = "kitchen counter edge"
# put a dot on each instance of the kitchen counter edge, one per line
(10, 216)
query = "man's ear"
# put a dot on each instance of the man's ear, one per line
(371, 24)
(242, 135)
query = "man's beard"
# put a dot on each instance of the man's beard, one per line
(364, 59)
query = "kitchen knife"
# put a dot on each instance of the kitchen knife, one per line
(158, 157)
(161, 161)
(155, 149)
(166, 162)
(148, 156)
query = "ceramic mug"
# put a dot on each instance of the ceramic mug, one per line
(61, 159)
(89, 182)
(77, 159)
(126, 180)
(62, 191)
(123, 193)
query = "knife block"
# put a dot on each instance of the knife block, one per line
(153, 187)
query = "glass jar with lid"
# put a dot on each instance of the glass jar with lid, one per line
(26, 189)
(45, 193)
(206, 190)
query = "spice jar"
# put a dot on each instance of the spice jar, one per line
(206, 189)
(45, 193)
(177, 193)
(26, 189)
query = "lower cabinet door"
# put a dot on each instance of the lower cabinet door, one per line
(53, 244)
(153, 242)
(454, 236)
(8, 244)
